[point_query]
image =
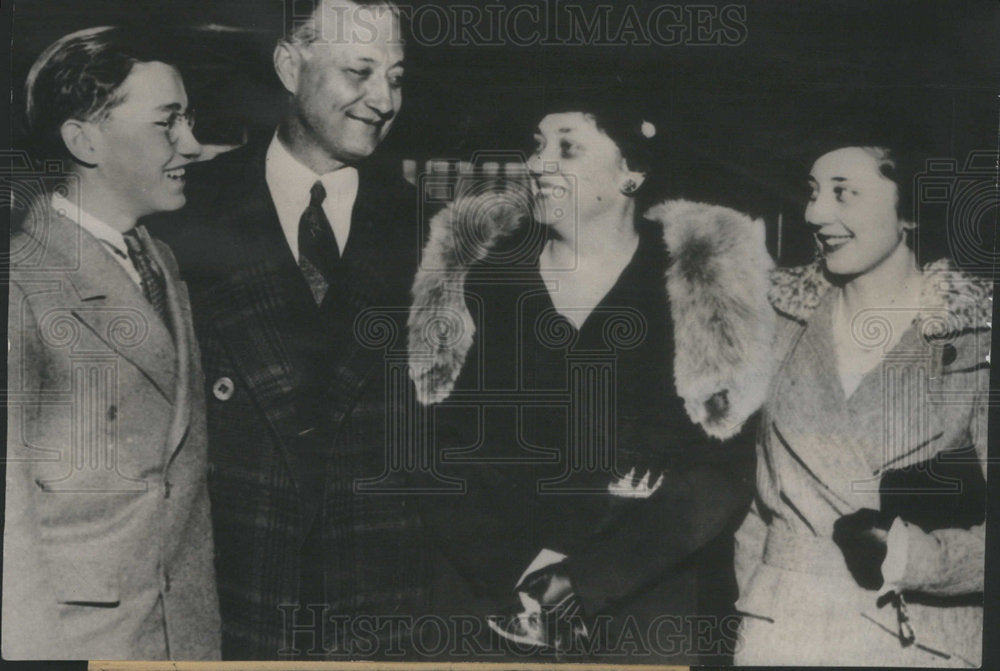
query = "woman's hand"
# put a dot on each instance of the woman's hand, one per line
(551, 615)
(548, 586)
(558, 588)
(862, 537)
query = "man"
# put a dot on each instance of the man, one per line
(291, 244)
(107, 538)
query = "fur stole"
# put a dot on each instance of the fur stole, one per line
(717, 284)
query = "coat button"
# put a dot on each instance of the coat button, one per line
(112, 413)
(223, 389)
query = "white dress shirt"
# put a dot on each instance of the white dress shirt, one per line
(290, 182)
(113, 240)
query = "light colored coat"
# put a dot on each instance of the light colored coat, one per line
(821, 455)
(107, 539)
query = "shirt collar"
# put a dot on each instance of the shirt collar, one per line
(289, 179)
(290, 182)
(90, 223)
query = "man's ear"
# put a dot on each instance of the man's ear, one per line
(78, 137)
(287, 61)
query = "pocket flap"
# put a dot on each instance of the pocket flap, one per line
(86, 582)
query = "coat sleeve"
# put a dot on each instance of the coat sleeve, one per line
(702, 498)
(31, 623)
(951, 562)
(485, 531)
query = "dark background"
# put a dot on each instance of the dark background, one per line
(736, 123)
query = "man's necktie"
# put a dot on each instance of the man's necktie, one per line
(319, 253)
(154, 287)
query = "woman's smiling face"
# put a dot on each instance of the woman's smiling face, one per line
(576, 169)
(854, 209)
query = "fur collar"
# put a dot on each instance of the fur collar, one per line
(717, 284)
(964, 301)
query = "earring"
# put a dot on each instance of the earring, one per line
(629, 187)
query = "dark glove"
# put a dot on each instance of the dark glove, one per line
(564, 624)
(862, 538)
(560, 623)
(537, 584)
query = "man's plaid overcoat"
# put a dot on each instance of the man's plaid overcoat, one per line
(298, 404)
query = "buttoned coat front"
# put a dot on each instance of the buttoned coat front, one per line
(821, 455)
(300, 401)
(107, 538)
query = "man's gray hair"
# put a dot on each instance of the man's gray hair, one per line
(302, 18)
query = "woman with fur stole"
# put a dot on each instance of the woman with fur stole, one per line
(592, 366)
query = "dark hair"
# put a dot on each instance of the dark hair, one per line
(899, 166)
(618, 114)
(299, 17)
(902, 169)
(79, 76)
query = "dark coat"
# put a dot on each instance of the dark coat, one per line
(107, 538)
(655, 572)
(305, 419)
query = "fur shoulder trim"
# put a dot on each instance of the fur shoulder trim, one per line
(439, 325)
(951, 301)
(717, 282)
(795, 292)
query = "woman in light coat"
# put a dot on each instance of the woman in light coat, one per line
(866, 542)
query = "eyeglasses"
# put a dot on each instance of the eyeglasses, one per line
(173, 124)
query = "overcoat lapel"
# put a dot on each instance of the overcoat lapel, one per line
(178, 304)
(260, 301)
(894, 407)
(365, 282)
(809, 396)
(111, 305)
(894, 417)
(268, 320)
